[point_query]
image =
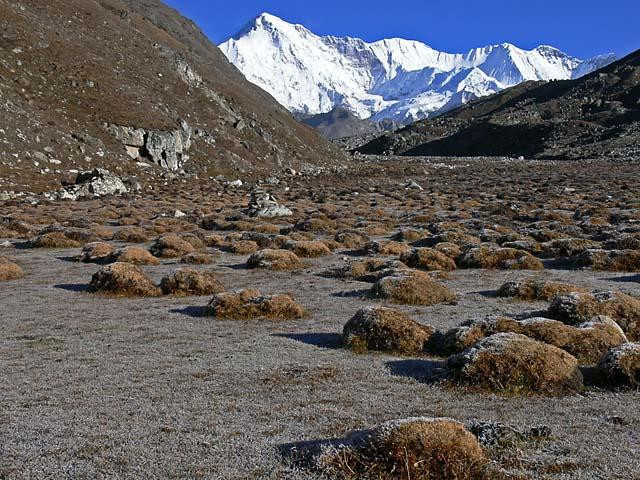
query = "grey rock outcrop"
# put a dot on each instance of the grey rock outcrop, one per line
(166, 148)
(263, 204)
(95, 183)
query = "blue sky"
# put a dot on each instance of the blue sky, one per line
(582, 28)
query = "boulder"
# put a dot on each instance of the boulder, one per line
(95, 183)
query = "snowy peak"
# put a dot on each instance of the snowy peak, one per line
(402, 80)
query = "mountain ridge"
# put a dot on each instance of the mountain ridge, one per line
(398, 79)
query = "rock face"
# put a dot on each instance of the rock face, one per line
(263, 204)
(166, 148)
(509, 362)
(96, 183)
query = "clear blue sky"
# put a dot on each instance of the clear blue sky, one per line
(582, 28)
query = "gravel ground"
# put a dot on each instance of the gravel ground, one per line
(146, 388)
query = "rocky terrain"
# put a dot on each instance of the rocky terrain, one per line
(243, 331)
(591, 117)
(159, 100)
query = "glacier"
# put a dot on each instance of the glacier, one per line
(395, 79)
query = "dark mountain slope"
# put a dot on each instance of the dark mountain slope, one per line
(594, 116)
(341, 123)
(70, 69)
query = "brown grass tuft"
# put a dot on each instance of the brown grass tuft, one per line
(54, 240)
(96, 252)
(123, 279)
(242, 247)
(536, 289)
(411, 288)
(586, 342)
(578, 308)
(275, 260)
(492, 257)
(308, 249)
(134, 255)
(171, 246)
(9, 270)
(249, 304)
(428, 259)
(410, 449)
(621, 366)
(188, 282)
(386, 330)
(513, 363)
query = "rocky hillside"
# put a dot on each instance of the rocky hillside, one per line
(594, 116)
(132, 86)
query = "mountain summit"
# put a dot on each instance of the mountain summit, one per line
(396, 79)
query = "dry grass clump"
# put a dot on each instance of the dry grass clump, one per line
(408, 449)
(360, 270)
(131, 235)
(96, 252)
(428, 259)
(351, 239)
(537, 289)
(492, 257)
(621, 366)
(587, 342)
(566, 247)
(188, 282)
(123, 279)
(386, 330)
(275, 260)
(385, 248)
(54, 240)
(451, 250)
(198, 258)
(170, 246)
(267, 228)
(242, 247)
(513, 363)
(320, 223)
(103, 233)
(215, 240)
(308, 249)
(608, 260)
(134, 255)
(250, 304)
(576, 308)
(9, 270)
(408, 235)
(409, 287)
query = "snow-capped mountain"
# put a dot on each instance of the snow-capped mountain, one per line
(394, 79)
